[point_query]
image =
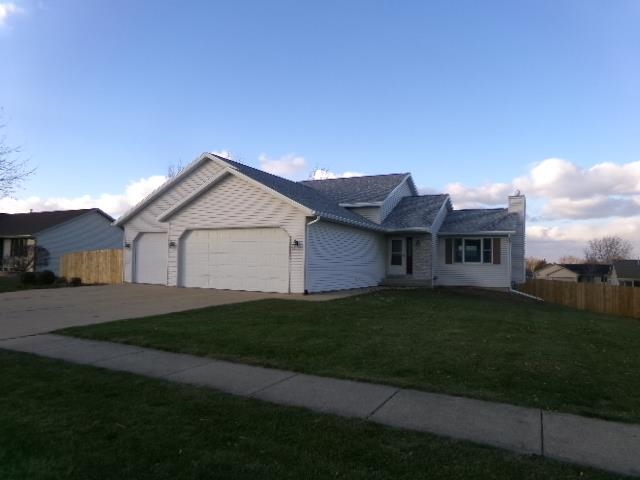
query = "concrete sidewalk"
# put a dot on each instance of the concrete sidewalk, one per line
(597, 443)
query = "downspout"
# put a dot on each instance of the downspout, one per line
(306, 249)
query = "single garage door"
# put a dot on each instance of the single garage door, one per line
(150, 262)
(253, 259)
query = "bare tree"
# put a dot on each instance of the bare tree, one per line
(13, 169)
(175, 169)
(607, 249)
(570, 259)
(534, 264)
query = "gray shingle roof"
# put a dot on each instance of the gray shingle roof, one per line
(32, 223)
(587, 268)
(304, 195)
(415, 212)
(367, 189)
(479, 220)
(627, 268)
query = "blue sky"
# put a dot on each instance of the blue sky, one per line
(473, 98)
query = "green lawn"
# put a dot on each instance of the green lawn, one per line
(478, 344)
(61, 420)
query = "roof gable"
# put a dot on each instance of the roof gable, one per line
(23, 224)
(415, 212)
(370, 189)
(308, 197)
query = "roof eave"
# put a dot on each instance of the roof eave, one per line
(409, 230)
(360, 204)
(477, 232)
(129, 214)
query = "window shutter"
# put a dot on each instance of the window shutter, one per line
(448, 250)
(496, 250)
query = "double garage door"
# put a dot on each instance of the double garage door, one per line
(253, 259)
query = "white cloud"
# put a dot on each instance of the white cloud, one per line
(286, 166)
(8, 9)
(555, 177)
(324, 174)
(113, 204)
(478, 197)
(567, 204)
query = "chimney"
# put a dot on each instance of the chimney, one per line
(518, 205)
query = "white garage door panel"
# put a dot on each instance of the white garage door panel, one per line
(151, 258)
(254, 259)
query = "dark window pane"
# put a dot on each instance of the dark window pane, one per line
(396, 259)
(472, 250)
(457, 250)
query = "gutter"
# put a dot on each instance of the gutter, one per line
(305, 250)
(526, 295)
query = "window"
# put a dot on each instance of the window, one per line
(472, 250)
(396, 252)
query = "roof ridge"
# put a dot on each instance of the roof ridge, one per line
(351, 177)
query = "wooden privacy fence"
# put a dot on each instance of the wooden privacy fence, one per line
(595, 297)
(93, 266)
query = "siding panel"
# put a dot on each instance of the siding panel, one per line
(370, 213)
(146, 220)
(237, 203)
(341, 257)
(474, 275)
(91, 231)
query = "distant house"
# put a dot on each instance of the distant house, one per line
(625, 273)
(36, 241)
(221, 224)
(574, 272)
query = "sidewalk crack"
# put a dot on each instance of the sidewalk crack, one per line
(375, 410)
(273, 384)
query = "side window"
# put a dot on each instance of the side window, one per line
(457, 250)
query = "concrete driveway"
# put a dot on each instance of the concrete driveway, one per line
(38, 311)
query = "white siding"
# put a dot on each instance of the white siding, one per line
(341, 257)
(146, 220)
(474, 275)
(403, 190)
(237, 203)
(370, 213)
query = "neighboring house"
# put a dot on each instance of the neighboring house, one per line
(222, 224)
(574, 272)
(49, 235)
(625, 273)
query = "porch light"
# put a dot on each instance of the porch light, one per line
(297, 244)
(172, 244)
(127, 245)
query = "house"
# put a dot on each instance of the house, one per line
(625, 273)
(222, 224)
(574, 272)
(37, 240)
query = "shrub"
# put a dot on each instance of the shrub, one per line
(28, 278)
(62, 281)
(75, 281)
(46, 277)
